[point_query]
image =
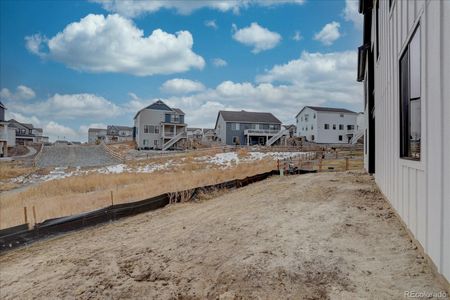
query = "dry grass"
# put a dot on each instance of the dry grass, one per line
(13, 169)
(80, 194)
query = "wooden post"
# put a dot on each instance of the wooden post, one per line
(34, 215)
(112, 199)
(346, 164)
(25, 214)
(320, 164)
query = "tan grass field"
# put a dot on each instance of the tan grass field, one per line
(74, 195)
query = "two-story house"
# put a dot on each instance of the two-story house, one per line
(115, 133)
(96, 135)
(159, 126)
(248, 128)
(326, 125)
(7, 135)
(24, 132)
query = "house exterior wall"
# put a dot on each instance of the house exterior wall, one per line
(304, 127)
(148, 117)
(156, 117)
(315, 126)
(418, 190)
(93, 136)
(221, 130)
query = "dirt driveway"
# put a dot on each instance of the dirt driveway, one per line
(315, 236)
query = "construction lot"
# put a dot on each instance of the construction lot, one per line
(314, 236)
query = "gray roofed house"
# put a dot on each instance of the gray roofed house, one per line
(248, 128)
(159, 126)
(326, 125)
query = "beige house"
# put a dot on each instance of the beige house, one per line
(7, 134)
(160, 127)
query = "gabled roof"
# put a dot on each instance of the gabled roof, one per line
(327, 109)
(119, 127)
(96, 129)
(160, 105)
(2, 105)
(26, 125)
(248, 117)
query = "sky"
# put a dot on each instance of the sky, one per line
(66, 66)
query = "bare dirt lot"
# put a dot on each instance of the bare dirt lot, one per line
(315, 236)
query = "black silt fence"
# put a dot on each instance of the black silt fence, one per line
(17, 236)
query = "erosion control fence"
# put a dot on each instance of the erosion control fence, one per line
(17, 236)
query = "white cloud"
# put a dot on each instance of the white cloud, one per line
(258, 37)
(134, 8)
(181, 86)
(329, 33)
(211, 24)
(22, 93)
(352, 14)
(70, 106)
(218, 62)
(312, 79)
(114, 44)
(56, 131)
(297, 36)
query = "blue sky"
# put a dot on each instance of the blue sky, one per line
(70, 65)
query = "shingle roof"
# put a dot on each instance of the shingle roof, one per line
(119, 127)
(248, 116)
(96, 129)
(327, 109)
(160, 105)
(330, 109)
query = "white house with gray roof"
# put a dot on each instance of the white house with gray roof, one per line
(159, 126)
(248, 128)
(326, 125)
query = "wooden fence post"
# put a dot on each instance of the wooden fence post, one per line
(346, 164)
(112, 199)
(34, 215)
(320, 164)
(25, 214)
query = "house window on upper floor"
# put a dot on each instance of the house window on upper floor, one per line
(410, 99)
(301, 119)
(314, 116)
(235, 126)
(341, 127)
(350, 127)
(341, 115)
(334, 126)
(326, 126)
(312, 127)
(390, 3)
(156, 129)
(340, 138)
(306, 118)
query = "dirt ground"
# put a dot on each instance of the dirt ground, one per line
(315, 236)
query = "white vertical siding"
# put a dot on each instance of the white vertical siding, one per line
(418, 190)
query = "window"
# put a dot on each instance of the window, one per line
(410, 99)
(314, 116)
(334, 126)
(235, 126)
(341, 115)
(312, 137)
(306, 118)
(350, 127)
(312, 127)
(377, 28)
(236, 140)
(155, 142)
(156, 129)
(145, 142)
(146, 129)
(301, 119)
(326, 126)
(341, 127)
(390, 3)
(340, 137)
